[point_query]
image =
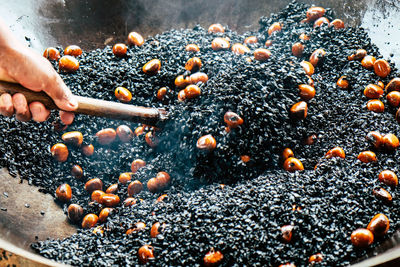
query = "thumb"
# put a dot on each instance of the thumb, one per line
(62, 95)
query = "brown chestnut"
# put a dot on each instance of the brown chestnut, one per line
(124, 133)
(287, 233)
(358, 55)
(375, 105)
(390, 142)
(375, 139)
(68, 64)
(104, 213)
(362, 238)
(77, 171)
(135, 38)
(193, 64)
(112, 189)
(161, 93)
(306, 92)
(192, 48)
(198, 77)
(336, 152)
(315, 258)
(368, 62)
(240, 49)
(125, 177)
(51, 53)
(337, 24)
(297, 49)
(213, 258)
(367, 156)
(123, 94)
(382, 68)
(373, 91)
(206, 142)
(321, 21)
(383, 195)
(314, 13)
(145, 254)
(181, 81)
(292, 164)
(393, 98)
(343, 82)
(109, 200)
(151, 139)
(250, 40)
(120, 50)
(379, 225)
(393, 85)
(308, 67)
(304, 37)
(152, 67)
(152, 185)
(96, 196)
(220, 44)
(298, 111)
(139, 131)
(275, 27)
(90, 220)
(317, 56)
(59, 152)
(192, 91)
(93, 184)
(163, 179)
(64, 193)
(88, 150)
(137, 164)
(73, 50)
(262, 54)
(72, 138)
(130, 201)
(75, 212)
(106, 136)
(134, 188)
(232, 119)
(389, 178)
(214, 28)
(287, 153)
(156, 229)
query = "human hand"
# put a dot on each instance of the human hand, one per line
(23, 65)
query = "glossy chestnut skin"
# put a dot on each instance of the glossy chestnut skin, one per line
(192, 91)
(96, 196)
(130, 201)
(232, 119)
(287, 233)
(317, 56)
(106, 136)
(250, 40)
(362, 238)
(214, 28)
(304, 37)
(375, 139)
(393, 98)
(390, 142)
(358, 55)
(152, 67)
(161, 93)
(134, 188)
(192, 48)
(287, 153)
(275, 27)
(375, 105)
(383, 195)
(393, 85)
(373, 91)
(262, 54)
(64, 193)
(152, 185)
(314, 13)
(120, 50)
(181, 81)
(381, 84)
(220, 44)
(104, 213)
(292, 164)
(368, 62)
(198, 77)
(59, 152)
(163, 180)
(124, 133)
(73, 50)
(112, 189)
(162, 198)
(109, 200)
(90, 220)
(145, 254)
(269, 43)
(382, 68)
(137, 164)
(93, 184)
(139, 131)
(125, 177)
(193, 64)
(315, 258)
(151, 139)
(245, 158)
(389, 178)
(77, 171)
(68, 64)
(367, 156)
(336, 152)
(135, 38)
(123, 94)
(297, 49)
(306, 92)
(308, 67)
(88, 150)
(321, 21)
(240, 49)
(379, 225)
(72, 138)
(75, 212)
(343, 82)
(206, 143)
(298, 111)
(212, 258)
(337, 24)
(51, 53)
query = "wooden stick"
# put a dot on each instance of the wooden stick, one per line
(91, 106)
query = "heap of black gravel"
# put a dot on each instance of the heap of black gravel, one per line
(242, 219)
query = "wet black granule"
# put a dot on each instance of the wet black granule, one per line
(242, 220)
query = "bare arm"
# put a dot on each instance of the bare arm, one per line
(21, 64)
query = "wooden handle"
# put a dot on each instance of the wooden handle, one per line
(91, 106)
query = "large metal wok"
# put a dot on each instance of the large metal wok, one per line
(95, 23)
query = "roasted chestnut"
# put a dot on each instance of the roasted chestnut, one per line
(206, 142)
(193, 64)
(292, 164)
(262, 54)
(232, 119)
(93, 184)
(134, 188)
(145, 254)
(298, 111)
(306, 92)
(367, 156)
(109, 200)
(240, 49)
(382, 68)
(192, 48)
(59, 152)
(135, 38)
(73, 50)
(124, 133)
(75, 212)
(90, 220)
(88, 150)
(308, 67)
(213, 258)
(389, 178)
(220, 44)
(106, 136)
(64, 193)
(123, 94)
(68, 64)
(152, 67)
(297, 49)
(72, 138)
(379, 225)
(275, 27)
(336, 152)
(51, 53)
(214, 28)
(120, 50)
(77, 171)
